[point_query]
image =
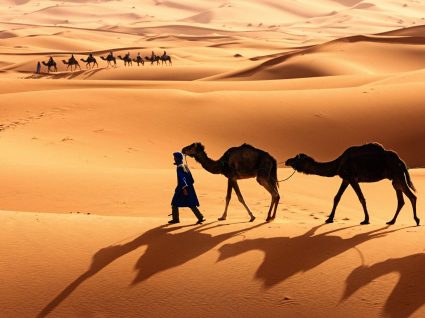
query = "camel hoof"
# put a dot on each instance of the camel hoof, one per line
(392, 222)
(252, 219)
(418, 221)
(365, 222)
(329, 221)
(222, 219)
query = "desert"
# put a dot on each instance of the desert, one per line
(87, 157)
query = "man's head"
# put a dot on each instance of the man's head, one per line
(178, 158)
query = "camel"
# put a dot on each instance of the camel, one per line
(89, 61)
(110, 58)
(366, 163)
(139, 60)
(157, 58)
(72, 62)
(165, 59)
(153, 59)
(50, 64)
(241, 162)
(127, 60)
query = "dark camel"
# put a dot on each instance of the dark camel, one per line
(110, 58)
(366, 163)
(50, 65)
(241, 162)
(127, 60)
(89, 61)
(72, 62)
(165, 59)
(155, 58)
(139, 60)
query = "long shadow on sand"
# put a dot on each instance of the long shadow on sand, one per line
(165, 250)
(285, 256)
(409, 293)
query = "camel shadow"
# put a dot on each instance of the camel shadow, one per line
(165, 250)
(287, 256)
(408, 294)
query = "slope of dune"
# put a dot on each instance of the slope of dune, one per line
(82, 130)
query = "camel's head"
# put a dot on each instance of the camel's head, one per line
(193, 149)
(299, 162)
(355, 280)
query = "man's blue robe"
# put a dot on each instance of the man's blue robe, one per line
(184, 180)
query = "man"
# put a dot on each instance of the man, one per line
(184, 195)
(38, 67)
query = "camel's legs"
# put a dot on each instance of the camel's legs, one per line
(400, 203)
(412, 198)
(359, 193)
(276, 202)
(275, 196)
(228, 197)
(241, 200)
(337, 198)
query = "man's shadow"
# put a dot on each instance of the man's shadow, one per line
(165, 250)
(285, 256)
(408, 294)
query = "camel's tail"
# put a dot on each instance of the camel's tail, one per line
(407, 175)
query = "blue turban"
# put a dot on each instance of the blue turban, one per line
(178, 158)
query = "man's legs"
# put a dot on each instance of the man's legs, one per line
(197, 213)
(175, 215)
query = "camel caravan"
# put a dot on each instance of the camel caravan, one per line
(91, 62)
(366, 163)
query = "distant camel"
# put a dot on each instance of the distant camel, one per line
(110, 59)
(89, 61)
(139, 60)
(155, 58)
(165, 59)
(127, 60)
(366, 163)
(72, 62)
(241, 162)
(50, 65)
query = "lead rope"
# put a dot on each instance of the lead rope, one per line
(286, 179)
(185, 160)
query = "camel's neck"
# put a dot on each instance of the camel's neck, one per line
(208, 164)
(324, 169)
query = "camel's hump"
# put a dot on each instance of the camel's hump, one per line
(370, 147)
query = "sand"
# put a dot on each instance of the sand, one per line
(87, 169)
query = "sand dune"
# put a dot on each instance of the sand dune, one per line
(87, 172)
